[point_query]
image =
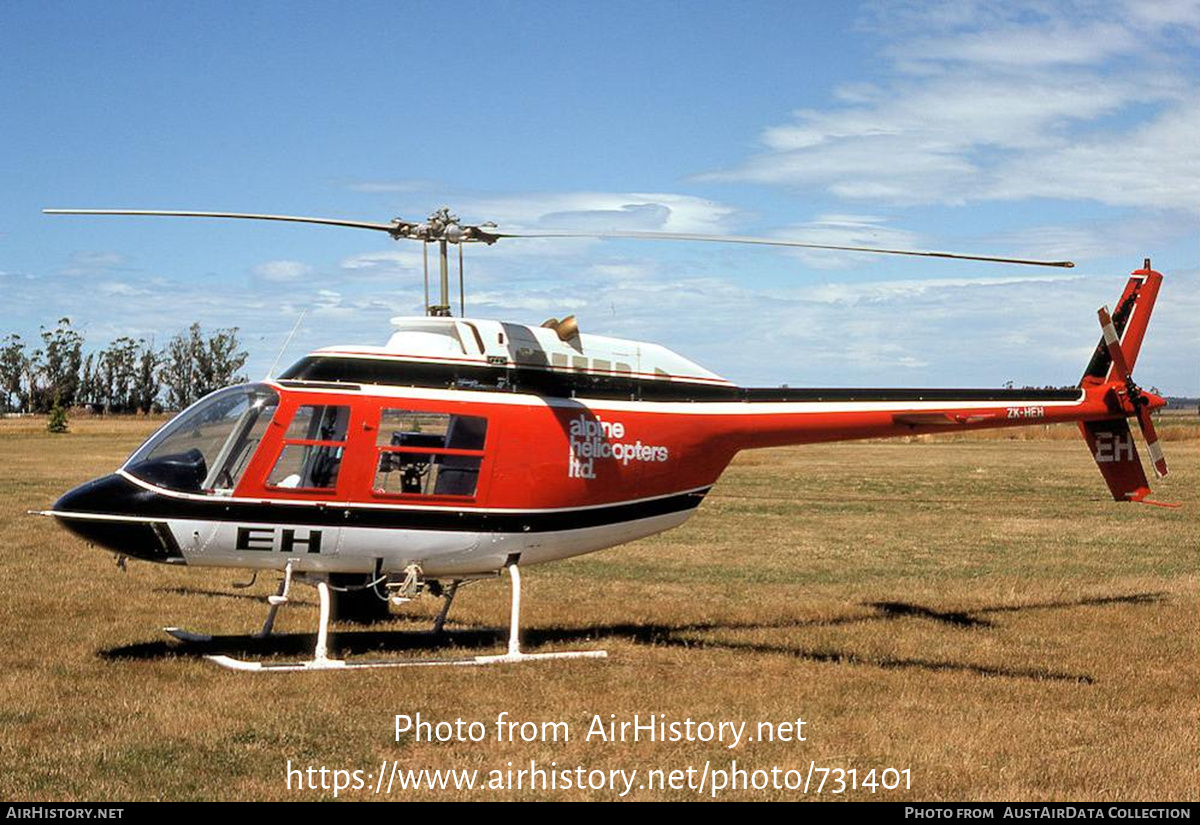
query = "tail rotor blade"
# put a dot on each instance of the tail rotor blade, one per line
(1113, 343)
(1151, 436)
(1121, 367)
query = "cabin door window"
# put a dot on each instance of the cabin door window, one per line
(312, 449)
(428, 453)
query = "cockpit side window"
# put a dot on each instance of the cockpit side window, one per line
(206, 448)
(245, 436)
(312, 448)
(428, 453)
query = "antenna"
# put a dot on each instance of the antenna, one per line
(282, 349)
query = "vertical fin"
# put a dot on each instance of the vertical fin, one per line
(1130, 320)
(1112, 446)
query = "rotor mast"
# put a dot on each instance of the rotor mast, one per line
(443, 227)
(440, 223)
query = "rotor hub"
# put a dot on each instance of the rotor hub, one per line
(443, 226)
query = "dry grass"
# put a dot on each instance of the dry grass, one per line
(977, 611)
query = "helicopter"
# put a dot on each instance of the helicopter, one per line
(464, 448)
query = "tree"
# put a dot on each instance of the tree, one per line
(146, 382)
(218, 361)
(14, 365)
(119, 375)
(179, 368)
(57, 423)
(192, 367)
(126, 376)
(61, 357)
(87, 382)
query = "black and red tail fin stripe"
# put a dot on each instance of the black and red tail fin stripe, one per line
(1130, 320)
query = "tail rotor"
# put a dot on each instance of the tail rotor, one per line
(1137, 398)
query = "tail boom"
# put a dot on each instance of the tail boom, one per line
(1105, 400)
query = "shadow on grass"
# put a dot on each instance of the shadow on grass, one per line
(968, 618)
(475, 640)
(222, 594)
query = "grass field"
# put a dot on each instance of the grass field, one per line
(978, 612)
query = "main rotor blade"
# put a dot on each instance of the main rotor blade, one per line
(455, 233)
(678, 236)
(383, 227)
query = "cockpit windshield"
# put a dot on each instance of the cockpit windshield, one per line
(206, 448)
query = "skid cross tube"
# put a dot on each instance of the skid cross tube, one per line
(322, 661)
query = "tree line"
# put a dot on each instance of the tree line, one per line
(127, 376)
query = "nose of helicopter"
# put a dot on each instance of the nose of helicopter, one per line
(105, 512)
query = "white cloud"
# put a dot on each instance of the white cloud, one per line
(528, 303)
(1005, 102)
(393, 186)
(98, 259)
(94, 262)
(987, 101)
(1185, 13)
(586, 211)
(598, 211)
(1030, 327)
(283, 271)
(1096, 239)
(862, 292)
(846, 230)
(402, 265)
(1052, 43)
(381, 260)
(1155, 165)
(123, 290)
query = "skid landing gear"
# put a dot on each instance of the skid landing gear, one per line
(448, 595)
(322, 661)
(277, 601)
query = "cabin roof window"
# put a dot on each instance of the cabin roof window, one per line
(206, 448)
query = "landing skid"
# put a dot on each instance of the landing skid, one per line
(276, 602)
(342, 664)
(322, 661)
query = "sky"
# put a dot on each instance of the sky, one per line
(1042, 129)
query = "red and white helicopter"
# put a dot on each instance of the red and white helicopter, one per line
(465, 447)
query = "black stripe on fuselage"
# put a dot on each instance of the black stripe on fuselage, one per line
(321, 371)
(116, 495)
